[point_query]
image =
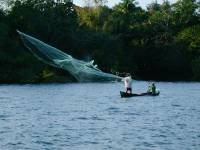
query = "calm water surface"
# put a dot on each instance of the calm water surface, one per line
(92, 116)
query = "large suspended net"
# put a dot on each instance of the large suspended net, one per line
(81, 70)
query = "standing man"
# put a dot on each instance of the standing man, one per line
(128, 83)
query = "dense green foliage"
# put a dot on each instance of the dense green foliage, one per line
(160, 43)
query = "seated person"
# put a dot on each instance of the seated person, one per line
(152, 89)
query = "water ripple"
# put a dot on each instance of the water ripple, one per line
(53, 116)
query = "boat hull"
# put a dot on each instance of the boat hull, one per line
(126, 95)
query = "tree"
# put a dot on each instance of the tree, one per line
(126, 6)
(154, 6)
(185, 12)
(190, 38)
(93, 18)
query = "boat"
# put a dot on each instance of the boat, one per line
(124, 94)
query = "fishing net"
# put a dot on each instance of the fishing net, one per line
(81, 70)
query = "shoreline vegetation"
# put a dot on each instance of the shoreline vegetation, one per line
(159, 43)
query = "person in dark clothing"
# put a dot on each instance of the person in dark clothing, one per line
(153, 88)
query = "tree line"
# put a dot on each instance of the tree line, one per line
(161, 42)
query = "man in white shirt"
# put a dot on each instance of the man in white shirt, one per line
(128, 83)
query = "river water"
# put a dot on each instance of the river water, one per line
(88, 116)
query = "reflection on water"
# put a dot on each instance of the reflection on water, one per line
(93, 116)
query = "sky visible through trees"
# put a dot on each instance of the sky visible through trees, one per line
(111, 3)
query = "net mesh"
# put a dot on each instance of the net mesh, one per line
(81, 70)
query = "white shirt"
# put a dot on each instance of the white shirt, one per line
(127, 82)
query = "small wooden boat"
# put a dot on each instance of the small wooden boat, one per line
(124, 94)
